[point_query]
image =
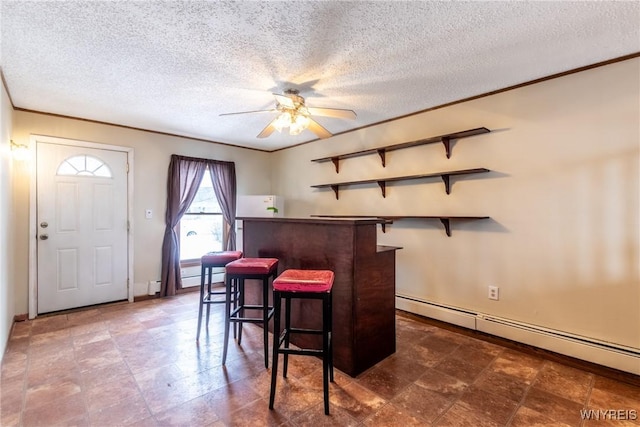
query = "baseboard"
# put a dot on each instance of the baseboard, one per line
(139, 298)
(20, 317)
(602, 353)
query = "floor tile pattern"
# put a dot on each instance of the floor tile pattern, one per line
(139, 365)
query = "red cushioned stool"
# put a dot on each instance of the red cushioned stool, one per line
(303, 284)
(237, 272)
(209, 262)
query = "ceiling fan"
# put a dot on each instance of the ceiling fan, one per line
(295, 115)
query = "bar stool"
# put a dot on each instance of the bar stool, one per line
(210, 261)
(303, 284)
(236, 273)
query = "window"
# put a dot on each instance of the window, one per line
(201, 227)
(84, 166)
(185, 178)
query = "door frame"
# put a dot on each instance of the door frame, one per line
(33, 205)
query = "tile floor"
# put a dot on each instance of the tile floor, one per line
(138, 365)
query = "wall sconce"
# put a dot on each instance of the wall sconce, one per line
(20, 152)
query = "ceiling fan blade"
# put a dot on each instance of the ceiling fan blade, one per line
(267, 130)
(332, 112)
(284, 100)
(320, 131)
(249, 112)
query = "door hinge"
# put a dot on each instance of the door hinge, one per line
(127, 167)
(128, 225)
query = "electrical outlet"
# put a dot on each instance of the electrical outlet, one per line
(494, 292)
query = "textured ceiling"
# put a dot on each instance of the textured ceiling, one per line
(173, 66)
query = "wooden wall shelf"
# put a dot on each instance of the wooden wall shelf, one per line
(382, 182)
(381, 151)
(445, 220)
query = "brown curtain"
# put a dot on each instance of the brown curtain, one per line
(185, 176)
(223, 176)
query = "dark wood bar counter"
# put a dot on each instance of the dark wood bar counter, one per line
(363, 290)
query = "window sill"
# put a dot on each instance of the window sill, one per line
(190, 263)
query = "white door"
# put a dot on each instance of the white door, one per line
(81, 226)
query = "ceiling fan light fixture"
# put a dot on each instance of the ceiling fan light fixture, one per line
(294, 121)
(299, 124)
(282, 121)
(295, 115)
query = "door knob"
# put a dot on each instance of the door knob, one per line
(44, 224)
(44, 236)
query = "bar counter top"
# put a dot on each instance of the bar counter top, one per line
(341, 220)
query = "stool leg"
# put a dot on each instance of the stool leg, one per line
(241, 284)
(234, 292)
(330, 311)
(265, 319)
(201, 302)
(227, 313)
(287, 333)
(326, 315)
(276, 346)
(209, 278)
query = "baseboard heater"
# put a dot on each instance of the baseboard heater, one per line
(191, 276)
(601, 352)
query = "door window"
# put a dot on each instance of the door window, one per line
(84, 165)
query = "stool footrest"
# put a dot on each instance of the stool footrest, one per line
(250, 307)
(304, 331)
(233, 317)
(283, 337)
(301, 351)
(210, 294)
(208, 298)
(247, 319)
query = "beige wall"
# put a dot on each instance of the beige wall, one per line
(6, 235)
(562, 241)
(151, 159)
